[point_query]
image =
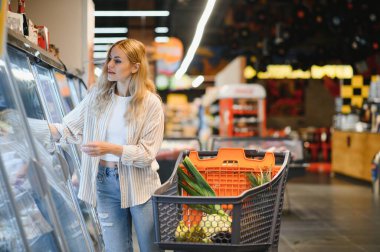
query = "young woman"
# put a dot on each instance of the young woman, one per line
(120, 124)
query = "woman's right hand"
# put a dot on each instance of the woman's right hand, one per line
(54, 132)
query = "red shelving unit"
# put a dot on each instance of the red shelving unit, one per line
(242, 110)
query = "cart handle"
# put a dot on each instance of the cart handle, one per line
(232, 156)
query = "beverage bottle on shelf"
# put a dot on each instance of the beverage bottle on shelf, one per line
(21, 10)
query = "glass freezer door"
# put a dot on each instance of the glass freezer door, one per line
(50, 95)
(32, 206)
(64, 90)
(12, 237)
(80, 87)
(54, 111)
(58, 180)
(73, 90)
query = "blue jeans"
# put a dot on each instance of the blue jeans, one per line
(116, 222)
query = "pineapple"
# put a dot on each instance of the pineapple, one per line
(214, 223)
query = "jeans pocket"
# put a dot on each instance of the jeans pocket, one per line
(100, 177)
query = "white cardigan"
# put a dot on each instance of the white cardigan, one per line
(137, 166)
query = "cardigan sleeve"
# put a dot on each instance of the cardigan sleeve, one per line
(144, 152)
(71, 129)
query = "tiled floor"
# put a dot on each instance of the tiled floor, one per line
(329, 214)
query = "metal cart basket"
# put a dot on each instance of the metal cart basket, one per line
(255, 213)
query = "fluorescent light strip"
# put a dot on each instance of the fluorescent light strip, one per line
(198, 81)
(132, 13)
(161, 29)
(111, 30)
(105, 40)
(100, 55)
(102, 48)
(196, 40)
(161, 39)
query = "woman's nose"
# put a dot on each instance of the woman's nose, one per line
(110, 63)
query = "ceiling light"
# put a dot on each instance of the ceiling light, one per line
(196, 40)
(161, 29)
(100, 55)
(101, 48)
(198, 81)
(105, 40)
(132, 13)
(161, 39)
(111, 30)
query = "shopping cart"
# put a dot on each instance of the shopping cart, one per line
(255, 213)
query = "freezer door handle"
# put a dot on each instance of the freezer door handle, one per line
(65, 166)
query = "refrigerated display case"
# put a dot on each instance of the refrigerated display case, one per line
(27, 212)
(40, 68)
(55, 167)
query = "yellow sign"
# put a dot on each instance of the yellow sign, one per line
(316, 72)
(332, 71)
(249, 72)
(3, 25)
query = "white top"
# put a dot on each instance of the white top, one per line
(116, 126)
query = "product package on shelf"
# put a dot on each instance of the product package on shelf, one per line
(43, 37)
(33, 33)
(21, 10)
(15, 22)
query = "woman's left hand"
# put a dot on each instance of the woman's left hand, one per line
(95, 149)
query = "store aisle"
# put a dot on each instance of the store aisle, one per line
(330, 215)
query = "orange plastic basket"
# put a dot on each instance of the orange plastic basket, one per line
(227, 172)
(227, 175)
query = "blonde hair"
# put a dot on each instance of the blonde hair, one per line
(139, 83)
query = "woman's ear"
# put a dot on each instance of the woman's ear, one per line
(135, 67)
